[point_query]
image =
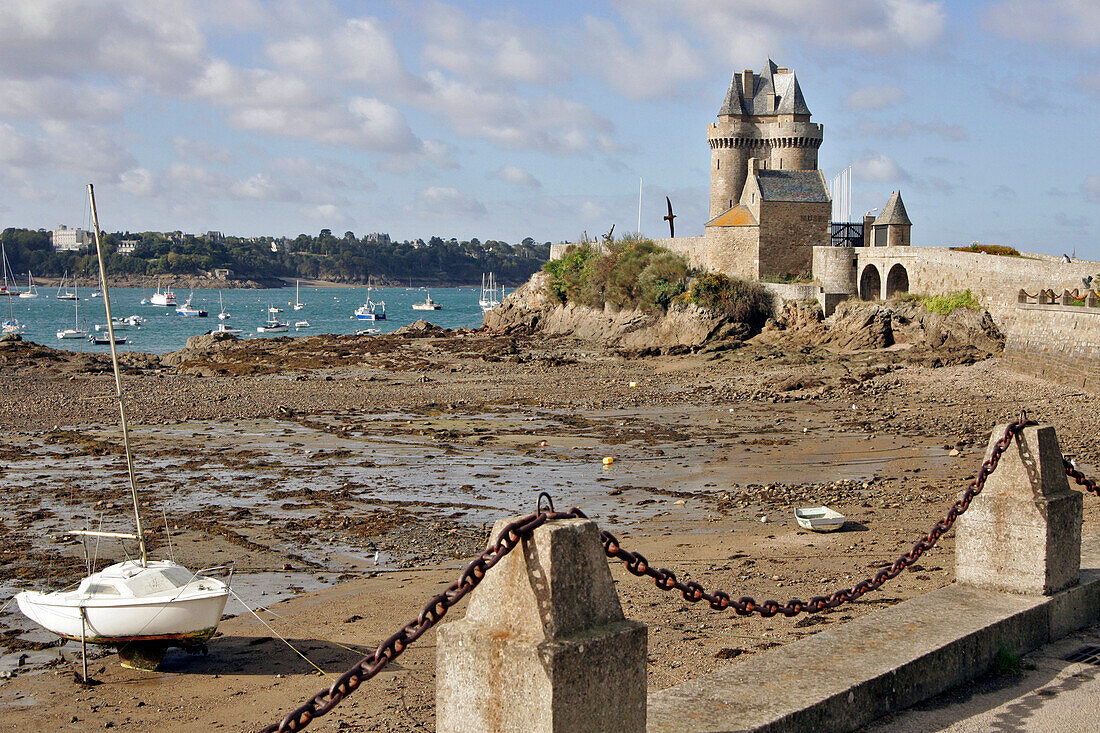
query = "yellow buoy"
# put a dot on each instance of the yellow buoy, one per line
(608, 461)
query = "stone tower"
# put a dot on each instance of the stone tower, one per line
(892, 227)
(764, 116)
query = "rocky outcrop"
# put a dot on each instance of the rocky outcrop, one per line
(963, 336)
(421, 329)
(200, 347)
(531, 309)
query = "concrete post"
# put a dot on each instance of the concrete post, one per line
(544, 646)
(1022, 534)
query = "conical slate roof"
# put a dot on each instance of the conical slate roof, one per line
(893, 212)
(753, 102)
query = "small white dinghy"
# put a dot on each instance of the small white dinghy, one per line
(819, 518)
(128, 602)
(142, 606)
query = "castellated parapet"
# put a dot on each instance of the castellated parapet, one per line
(764, 116)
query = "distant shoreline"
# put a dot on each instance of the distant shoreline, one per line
(207, 283)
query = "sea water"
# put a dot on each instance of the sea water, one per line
(328, 310)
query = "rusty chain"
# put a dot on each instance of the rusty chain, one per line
(433, 612)
(638, 565)
(1082, 480)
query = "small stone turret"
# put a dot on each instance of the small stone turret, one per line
(763, 116)
(892, 227)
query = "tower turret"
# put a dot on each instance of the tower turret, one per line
(763, 116)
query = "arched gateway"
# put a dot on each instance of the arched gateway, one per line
(897, 281)
(870, 283)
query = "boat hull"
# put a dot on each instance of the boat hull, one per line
(190, 622)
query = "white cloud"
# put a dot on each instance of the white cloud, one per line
(201, 150)
(357, 50)
(546, 123)
(329, 216)
(432, 154)
(902, 129)
(139, 182)
(488, 49)
(261, 187)
(15, 147)
(311, 174)
(878, 168)
(763, 27)
(445, 202)
(657, 64)
(52, 99)
(874, 97)
(153, 43)
(1091, 189)
(516, 176)
(1074, 22)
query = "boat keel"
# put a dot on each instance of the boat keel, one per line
(143, 655)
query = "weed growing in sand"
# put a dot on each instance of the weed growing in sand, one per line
(1009, 664)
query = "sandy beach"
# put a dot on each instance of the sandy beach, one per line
(349, 478)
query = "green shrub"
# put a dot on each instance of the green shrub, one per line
(990, 249)
(950, 302)
(567, 275)
(632, 273)
(742, 300)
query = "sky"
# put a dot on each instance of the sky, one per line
(503, 120)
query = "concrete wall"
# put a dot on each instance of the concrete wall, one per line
(1056, 342)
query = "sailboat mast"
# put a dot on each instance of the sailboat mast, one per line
(118, 378)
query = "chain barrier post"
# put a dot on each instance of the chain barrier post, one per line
(544, 645)
(1022, 534)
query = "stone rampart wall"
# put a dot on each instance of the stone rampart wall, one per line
(1056, 342)
(994, 280)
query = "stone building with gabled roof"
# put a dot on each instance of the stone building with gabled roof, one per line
(891, 228)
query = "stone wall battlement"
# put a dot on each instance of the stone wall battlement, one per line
(764, 142)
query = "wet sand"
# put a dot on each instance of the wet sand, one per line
(349, 480)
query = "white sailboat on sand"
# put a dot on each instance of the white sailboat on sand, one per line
(142, 606)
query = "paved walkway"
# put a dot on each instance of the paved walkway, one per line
(1055, 696)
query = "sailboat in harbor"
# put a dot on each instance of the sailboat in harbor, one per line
(298, 304)
(140, 605)
(223, 314)
(62, 292)
(76, 332)
(11, 326)
(489, 298)
(4, 289)
(32, 289)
